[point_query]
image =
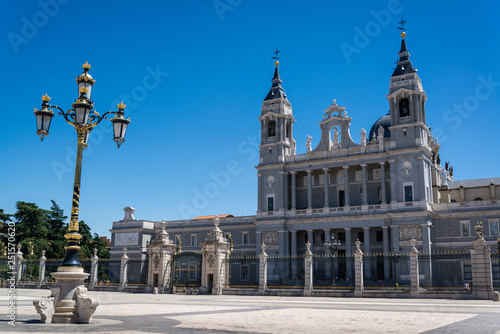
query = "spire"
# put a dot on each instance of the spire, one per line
(404, 65)
(276, 91)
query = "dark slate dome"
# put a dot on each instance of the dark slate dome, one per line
(385, 121)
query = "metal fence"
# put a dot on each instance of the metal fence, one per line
(243, 271)
(445, 271)
(386, 270)
(285, 271)
(137, 272)
(332, 271)
(495, 266)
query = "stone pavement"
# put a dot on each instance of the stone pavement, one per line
(127, 313)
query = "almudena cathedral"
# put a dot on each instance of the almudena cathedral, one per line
(384, 191)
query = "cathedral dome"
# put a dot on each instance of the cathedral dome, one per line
(385, 122)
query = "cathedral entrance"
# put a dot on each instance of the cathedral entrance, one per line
(186, 272)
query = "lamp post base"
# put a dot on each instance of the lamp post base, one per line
(68, 302)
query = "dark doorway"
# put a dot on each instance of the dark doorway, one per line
(210, 282)
(341, 198)
(155, 280)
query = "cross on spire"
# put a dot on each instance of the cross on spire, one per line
(276, 53)
(402, 25)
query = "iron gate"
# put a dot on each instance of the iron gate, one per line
(186, 271)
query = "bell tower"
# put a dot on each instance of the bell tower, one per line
(407, 102)
(276, 123)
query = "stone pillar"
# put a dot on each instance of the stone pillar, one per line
(41, 273)
(294, 191)
(309, 190)
(18, 264)
(94, 262)
(426, 238)
(347, 192)
(392, 177)
(215, 269)
(308, 270)
(414, 270)
(387, 262)
(367, 248)
(327, 197)
(383, 183)
(365, 184)
(293, 242)
(358, 269)
(160, 252)
(281, 237)
(123, 270)
(258, 241)
(480, 258)
(395, 238)
(263, 270)
(310, 237)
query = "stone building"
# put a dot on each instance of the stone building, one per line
(387, 189)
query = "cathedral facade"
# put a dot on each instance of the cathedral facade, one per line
(385, 190)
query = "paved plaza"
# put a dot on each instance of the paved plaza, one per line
(127, 313)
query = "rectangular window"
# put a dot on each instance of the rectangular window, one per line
(270, 204)
(377, 174)
(341, 198)
(494, 227)
(342, 237)
(408, 193)
(358, 176)
(245, 238)
(228, 237)
(467, 272)
(244, 272)
(194, 239)
(380, 236)
(192, 272)
(465, 228)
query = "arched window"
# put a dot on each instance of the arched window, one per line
(478, 199)
(271, 129)
(404, 108)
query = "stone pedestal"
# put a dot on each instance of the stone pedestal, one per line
(308, 271)
(358, 270)
(68, 301)
(414, 274)
(480, 257)
(263, 270)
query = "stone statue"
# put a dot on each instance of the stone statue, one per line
(381, 132)
(451, 172)
(363, 137)
(308, 144)
(446, 165)
(335, 137)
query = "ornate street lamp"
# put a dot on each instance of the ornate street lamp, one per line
(333, 246)
(70, 276)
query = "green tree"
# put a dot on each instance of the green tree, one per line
(31, 226)
(57, 229)
(4, 218)
(102, 251)
(86, 247)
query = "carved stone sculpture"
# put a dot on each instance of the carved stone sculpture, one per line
(45, 305)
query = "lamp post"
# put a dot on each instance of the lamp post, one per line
(333, 246)
(70, 276)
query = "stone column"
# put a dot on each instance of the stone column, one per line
(387, 262)
(281, 237)
(395, 238)
(160, 252)
(123, 270)
(367, 248)
(258, 241)
(480, 258)
(309, 190)
(294, 191)
(327, 197)
(347, 192)
(94, 262)
(358, 269)
(18, 264)
(392, 176)
(310, 237)
(263, 270)
(383, 183)
(426, 238)
(414, 270)
(308, 271)
(365, 184)
(41, 273)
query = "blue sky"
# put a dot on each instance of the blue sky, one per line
(194, 74)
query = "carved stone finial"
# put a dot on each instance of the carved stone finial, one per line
(43, 252)
(479, 230)
(413, 243)
(19, 247)
(363, 137)
(129, 213)
(95, 251)
(263, 247)
(334, 101)
(308, 247)
(216, 222)
(358, 246)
